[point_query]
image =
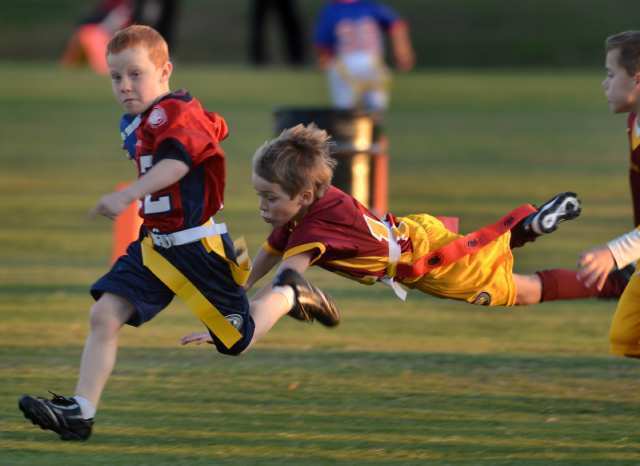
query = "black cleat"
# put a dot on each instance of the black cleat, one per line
(564, 206)
(311, 302)
(60, 414)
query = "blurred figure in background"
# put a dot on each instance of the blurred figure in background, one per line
(291, 27)
(161, 15)
(88, 43)
(349, 38)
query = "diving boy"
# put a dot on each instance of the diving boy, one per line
(315, 223)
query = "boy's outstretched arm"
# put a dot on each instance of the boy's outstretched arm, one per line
(262, 265)
(163, 174)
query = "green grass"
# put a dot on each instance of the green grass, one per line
(424, 382)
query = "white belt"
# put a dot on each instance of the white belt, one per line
(190, 235)
(394, 256)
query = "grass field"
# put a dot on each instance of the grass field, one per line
(424, 382)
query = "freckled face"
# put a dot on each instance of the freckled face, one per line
(276, 206)
(622, 90)
(136, 81)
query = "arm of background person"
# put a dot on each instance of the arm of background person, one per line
(402, 47)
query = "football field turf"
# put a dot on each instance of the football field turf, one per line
(423, 382)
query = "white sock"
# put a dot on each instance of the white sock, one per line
(87, 408)
(287, 292)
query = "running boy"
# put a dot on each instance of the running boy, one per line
(315, 223)
(349, 38)
(622, 88)
(182, 251)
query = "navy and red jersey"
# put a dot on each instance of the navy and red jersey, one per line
(353, 26)
(178, 127)
(343, 236)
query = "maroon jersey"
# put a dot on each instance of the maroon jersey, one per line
(178, 127)
(343, 236)
(634, 165)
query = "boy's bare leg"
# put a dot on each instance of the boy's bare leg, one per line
(108, 315)
(72, 417)
(290, 293)
(266, 311)
(528, 289)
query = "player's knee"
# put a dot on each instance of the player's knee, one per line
(107, 316)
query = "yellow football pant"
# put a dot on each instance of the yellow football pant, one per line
(488, 272)
(624, 334)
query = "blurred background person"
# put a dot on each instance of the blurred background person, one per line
(88, 42)
(161, 15)
(290, 26)
(349, 38)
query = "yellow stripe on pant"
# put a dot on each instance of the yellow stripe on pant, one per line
(193, 298)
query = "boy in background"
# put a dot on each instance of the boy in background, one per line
(182, 250)
(622, 89)
(349, 38)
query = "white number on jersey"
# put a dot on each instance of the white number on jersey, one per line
(150, 205)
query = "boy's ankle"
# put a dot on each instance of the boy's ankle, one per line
(86, 407)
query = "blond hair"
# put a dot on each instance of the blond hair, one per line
(628, 43)
(299, 158)
(139, 35)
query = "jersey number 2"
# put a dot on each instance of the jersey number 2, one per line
(151, 205)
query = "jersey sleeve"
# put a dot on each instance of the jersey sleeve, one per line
(305, 238)
(276, 243)
(626, 248)
(183, 133)
(308, 237)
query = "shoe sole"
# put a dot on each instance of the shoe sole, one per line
(40, 416)
(563, 207)
(328, 319)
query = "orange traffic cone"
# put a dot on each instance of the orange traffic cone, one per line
(126, 227)
(88, 44)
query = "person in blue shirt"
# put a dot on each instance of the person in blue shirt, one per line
(349, 38)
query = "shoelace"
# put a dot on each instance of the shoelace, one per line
(59, 399)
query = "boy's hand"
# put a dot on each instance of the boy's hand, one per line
(595, 266)
(197, 338)
(110, 205)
